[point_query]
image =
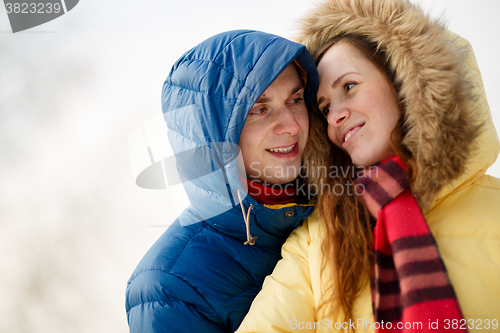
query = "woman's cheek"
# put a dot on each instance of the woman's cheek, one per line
(333, 135)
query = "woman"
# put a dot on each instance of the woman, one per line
(392, 83)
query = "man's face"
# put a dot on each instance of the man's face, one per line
(275, 132)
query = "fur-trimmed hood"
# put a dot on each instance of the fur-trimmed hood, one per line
(440, 88)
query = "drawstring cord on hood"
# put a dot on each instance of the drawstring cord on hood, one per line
(246, 218)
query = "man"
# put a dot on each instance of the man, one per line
(240, 89)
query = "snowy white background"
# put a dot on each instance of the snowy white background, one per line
(73, 225)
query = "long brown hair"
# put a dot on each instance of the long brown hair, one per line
(347, 224)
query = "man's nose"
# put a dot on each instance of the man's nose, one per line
(286, 122)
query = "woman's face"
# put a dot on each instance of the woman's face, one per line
(359, 103)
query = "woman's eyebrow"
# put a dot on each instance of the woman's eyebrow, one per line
(321, 100)
(336, 83)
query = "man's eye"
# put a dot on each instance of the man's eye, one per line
(259, 111)
(296, 100)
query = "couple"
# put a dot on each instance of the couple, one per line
(392, 92)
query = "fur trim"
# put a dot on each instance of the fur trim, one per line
(429, 71)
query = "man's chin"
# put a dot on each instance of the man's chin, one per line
(282, 180)
(275, 174)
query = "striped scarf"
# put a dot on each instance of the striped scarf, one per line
(410, 283)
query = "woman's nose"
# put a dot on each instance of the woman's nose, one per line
(337, 116)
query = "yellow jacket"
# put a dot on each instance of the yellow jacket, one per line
(466, 226)
(464, 214)
(467, 230)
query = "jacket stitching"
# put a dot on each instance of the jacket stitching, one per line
(180, 278)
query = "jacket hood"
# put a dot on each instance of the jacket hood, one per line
(205, 101)
(450, 131)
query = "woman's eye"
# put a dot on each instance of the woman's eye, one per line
(349, 86)
(325, 111)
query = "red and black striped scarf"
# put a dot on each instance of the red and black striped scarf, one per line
(410, 283)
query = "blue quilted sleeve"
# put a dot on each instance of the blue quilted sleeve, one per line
(153, 307)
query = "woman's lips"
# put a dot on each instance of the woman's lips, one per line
(349, 136)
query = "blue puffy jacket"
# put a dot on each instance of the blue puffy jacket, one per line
(199, 276)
